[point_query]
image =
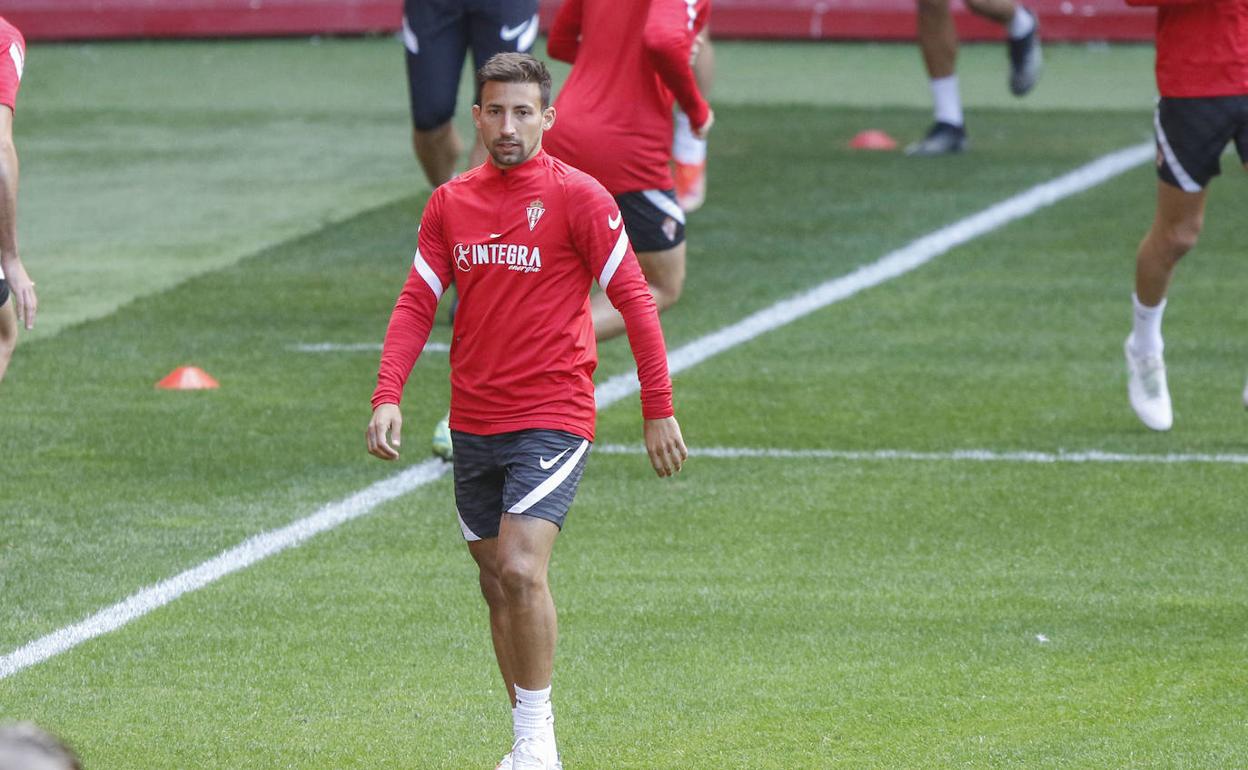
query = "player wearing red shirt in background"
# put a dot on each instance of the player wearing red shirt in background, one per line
(15, 284)
(522, 237)
(630, 63)
(1202, 75)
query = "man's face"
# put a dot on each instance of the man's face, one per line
(511, 120)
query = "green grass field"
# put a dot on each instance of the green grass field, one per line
(756, 612)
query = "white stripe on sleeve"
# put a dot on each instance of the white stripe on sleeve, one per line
(613, 261)
(426, 272)
(551, 483)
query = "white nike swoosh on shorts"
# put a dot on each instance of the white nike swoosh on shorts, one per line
(548, 464)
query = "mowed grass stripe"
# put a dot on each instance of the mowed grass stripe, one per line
(892, 265)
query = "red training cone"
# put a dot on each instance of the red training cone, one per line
(188, 378)
(873, 139)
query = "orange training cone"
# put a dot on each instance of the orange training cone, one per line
(188, 378)
(873, 139)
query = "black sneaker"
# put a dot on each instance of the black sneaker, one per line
(1025, 60)
(942, 139)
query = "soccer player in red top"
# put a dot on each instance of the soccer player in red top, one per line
(1202, 76)
(15, 284)
(522, 237)
(630, 63)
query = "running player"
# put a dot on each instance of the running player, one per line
(1202, 76)
(938, 40)
(16, 288)
(437, 34)
(522, 236)
(631, 62)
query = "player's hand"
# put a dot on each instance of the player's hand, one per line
(705, 128)
(387, 421)
(23, 290)
(665, 446)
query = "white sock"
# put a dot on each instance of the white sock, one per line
(1022, 24)
(1146, 328)
(533, 716)
(947, 100)
(687, 148)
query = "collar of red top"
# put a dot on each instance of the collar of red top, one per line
(530, 166)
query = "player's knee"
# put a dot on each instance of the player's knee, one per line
(667, 293)
(520, 578)
(1181, 237)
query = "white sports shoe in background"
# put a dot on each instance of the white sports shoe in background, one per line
(1147, 389)
(534, 754)
(504, 763)
(1246, 395)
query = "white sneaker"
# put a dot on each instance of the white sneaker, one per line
(1146, 387)
(1246, 395)
(535, 754)
(504, 763)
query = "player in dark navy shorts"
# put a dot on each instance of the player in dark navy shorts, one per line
(1202, 76)
(1192, 133)
(437, 34)
(530, 472)
(653, 218)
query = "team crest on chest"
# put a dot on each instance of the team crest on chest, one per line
(535, 211)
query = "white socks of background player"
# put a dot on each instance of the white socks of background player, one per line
(1146, 328)
(947, 100)
(687, 148)
(533, 716)
(1022, 24)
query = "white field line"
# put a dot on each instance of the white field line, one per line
(957, 455)
(356, 347)
(239, 557)
(889, 266)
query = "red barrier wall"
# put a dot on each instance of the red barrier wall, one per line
(763, 19)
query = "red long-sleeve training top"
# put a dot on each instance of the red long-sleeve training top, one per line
(522, 246)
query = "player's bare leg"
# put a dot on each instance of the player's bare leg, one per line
(485, 553)
(8, 333)
(523, 556)
(1176, 227)
(938, 44)
(514, 579)
(665, 273)
(438, 151)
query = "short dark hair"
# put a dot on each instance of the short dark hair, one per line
(515, 68)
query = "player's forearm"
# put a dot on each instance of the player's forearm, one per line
(409, 328)
(668, 43)
(8, 200)
(645, 338)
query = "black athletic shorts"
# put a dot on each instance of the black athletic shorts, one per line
(653, 218)
(1191, 135)
(4, 292)
(528, 472)
(437, 33)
